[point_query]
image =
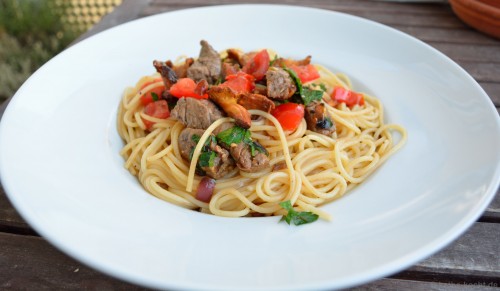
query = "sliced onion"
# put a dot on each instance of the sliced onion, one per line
(205, 189)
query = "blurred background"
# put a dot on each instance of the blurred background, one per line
(33, 31)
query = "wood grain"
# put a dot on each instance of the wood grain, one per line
(30, 263)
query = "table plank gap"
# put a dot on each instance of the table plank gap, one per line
(30, 263)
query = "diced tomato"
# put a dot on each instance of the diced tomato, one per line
(258, 65)
(240, 82)
(185, 87)
(152, 95)
(157, 109)
(350, 98)
(289, 115)
(306, 73)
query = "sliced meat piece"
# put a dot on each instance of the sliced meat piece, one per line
(242, 154)
(255, 101)
(186, 141)
(282, 62)
(223, 163)
(207, 66)
(201, 88)
(196, 113)
(229, 69)
(318, 119)
(279, 84)
(227, 99)
(167, 74)
(181, 70)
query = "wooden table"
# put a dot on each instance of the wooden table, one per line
(472, 262)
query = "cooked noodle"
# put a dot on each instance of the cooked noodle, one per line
(315, 169)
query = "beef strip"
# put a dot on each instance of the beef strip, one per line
(167, 74)
(196, 113)
(207, 66)
(223, 163)
(279, 84)
(242, 154)
(318, 119)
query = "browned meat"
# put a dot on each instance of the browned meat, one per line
(196, 113)
(242, 154)
(226, 98)
(167, 74)
(207, 66)
(181, 70)
(255, 101)
(279, 166)
(318, 119)
(241, 58)
(186, 141)
(281, 62)
(222, 161)
(201, 88)
(279, 84)
(229, 69)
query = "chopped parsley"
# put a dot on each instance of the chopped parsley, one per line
(236, 135)
(307, 95)
(297, 217)
(207, 156)
(207, 159)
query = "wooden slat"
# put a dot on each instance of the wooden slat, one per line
(358, 5)
(493, 91)
(464, 36)
(435, 15)
(10, 220)
(474, 254)
(30, 263)
(399, 284)
(24, 260)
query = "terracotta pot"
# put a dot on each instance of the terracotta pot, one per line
(483, 15)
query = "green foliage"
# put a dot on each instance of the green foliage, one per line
(31, 32)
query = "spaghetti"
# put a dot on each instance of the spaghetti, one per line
(306, 168)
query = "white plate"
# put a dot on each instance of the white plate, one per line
(61, 168)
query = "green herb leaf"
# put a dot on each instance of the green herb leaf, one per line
(306, 94)
(309, 95)
(255, 146)
(297, 217)
(155, 96)
(232, 135)
(195, 138)
(207, 159)
(323, 87)
(295, 78)
(238, 135)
